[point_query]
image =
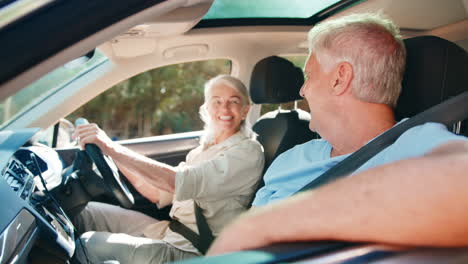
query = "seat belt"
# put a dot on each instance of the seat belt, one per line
(206, 236)
(447, 113)
(201, 241)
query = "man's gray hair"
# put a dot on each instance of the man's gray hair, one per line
(372, 44)
(235, 83)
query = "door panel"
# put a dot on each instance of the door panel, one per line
(169, 149)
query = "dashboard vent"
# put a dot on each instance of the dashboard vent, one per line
(19, 179)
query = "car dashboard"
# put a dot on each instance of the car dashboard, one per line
(32, 222)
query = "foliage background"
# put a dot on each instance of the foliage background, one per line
(157, 102)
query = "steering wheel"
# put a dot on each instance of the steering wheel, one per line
(109, 172)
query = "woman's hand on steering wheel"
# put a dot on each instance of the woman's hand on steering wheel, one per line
(97, 144)
(92, 134)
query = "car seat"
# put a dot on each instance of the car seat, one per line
(436, 69)
(276, 80)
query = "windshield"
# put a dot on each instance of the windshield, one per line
(26, 98)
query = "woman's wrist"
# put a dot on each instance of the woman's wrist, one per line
(110, 148)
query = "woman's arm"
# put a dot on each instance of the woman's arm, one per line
(145, 174)
(419, 201)
(141, 185)
(231, 173)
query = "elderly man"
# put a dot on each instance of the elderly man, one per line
(354, 75)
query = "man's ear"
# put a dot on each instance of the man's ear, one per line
(342, 78)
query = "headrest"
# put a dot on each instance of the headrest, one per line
(436, 69)
(275, 80)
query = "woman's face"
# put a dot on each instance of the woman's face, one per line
(226, 109)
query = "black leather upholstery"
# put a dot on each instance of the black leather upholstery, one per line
(279, 131)
(436, 69)
(277, 80)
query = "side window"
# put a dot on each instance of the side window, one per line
(161, 101)
(298, 61)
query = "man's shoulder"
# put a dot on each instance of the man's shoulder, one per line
(428, 127)
(311, 144)
(414, 142)
(314, 145)
(429, 130)
(421, 139)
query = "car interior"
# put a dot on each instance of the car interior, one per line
(143, 35)
(276, 80)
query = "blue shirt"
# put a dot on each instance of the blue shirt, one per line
(298, 166)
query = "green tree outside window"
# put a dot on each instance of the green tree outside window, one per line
(161, 101)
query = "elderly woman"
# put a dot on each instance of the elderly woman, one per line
(220, 176)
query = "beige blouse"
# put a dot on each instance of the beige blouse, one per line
(222, 179)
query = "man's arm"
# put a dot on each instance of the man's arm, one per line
(419, 201)
(145, 174)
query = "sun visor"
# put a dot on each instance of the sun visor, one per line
(142, 39)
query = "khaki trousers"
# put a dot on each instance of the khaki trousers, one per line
(113, 233)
